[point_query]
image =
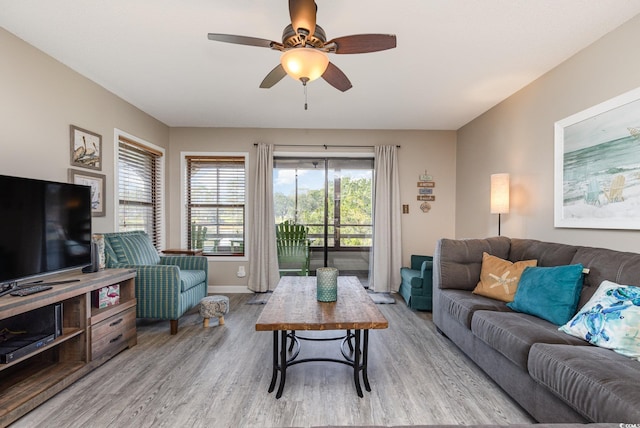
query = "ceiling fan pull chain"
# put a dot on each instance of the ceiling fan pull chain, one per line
(304, 85)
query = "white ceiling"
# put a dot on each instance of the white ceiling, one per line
(455, 58)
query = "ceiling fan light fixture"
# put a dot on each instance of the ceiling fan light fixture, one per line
(304, 64)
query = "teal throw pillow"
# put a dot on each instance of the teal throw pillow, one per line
(610, 319)
(550, 293)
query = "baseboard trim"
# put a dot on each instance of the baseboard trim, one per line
(228, 289)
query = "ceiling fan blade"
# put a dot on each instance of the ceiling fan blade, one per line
(362, 43)
(336, 78)
(273, 77)
(303, 15)
(242, 40)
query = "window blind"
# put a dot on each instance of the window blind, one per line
(215, 197)
(139, 189)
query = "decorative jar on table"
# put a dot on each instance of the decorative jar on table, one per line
(327, 284)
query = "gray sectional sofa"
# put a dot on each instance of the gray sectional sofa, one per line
(552, 375)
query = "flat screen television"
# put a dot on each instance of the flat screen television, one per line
(45, 227)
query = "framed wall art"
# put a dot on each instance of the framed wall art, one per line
(86, 148)
(597, 166)
(98, 185)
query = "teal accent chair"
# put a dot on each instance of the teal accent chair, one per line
(417, 283)
(166, 287)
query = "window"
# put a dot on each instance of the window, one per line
(140, 189)
(215, 204)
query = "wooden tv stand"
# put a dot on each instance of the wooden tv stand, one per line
(90, 337)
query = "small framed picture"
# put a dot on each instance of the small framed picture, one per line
(86, 148)
(98, 185)
(426, 184)
(425, 191)
(429, 198)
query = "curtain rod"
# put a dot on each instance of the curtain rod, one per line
(322, 145)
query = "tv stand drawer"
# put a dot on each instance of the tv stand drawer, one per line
(113, 334)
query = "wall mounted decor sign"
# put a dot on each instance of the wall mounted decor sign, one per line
(86, 148)
(425, 191)
(98, 185)
(597, 166)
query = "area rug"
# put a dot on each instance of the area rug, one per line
(259, 298)
(382, 298)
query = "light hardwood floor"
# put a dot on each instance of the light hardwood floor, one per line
(218, 377)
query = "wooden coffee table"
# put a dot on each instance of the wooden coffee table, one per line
(294, 307)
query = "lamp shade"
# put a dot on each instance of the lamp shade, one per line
(304, 64)
(499, 193)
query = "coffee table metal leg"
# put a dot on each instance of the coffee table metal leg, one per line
(356, 364)
(349, 340)
(293, 334)
(283, 362)
(274, 372)
(365, 358)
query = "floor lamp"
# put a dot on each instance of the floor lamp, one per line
(499, 195)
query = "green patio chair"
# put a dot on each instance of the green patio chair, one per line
(293, 248)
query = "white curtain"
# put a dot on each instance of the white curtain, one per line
(263, 257)
(386, 259)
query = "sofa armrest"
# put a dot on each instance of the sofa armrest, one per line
(186, 262)
(157, 290)
(426, 270)
(416, 282)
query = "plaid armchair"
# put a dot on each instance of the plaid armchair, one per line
(166, 287)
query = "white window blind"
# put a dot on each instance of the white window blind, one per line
(216, 204)
(139, 189)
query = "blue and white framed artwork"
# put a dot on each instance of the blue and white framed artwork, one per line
(597, 166)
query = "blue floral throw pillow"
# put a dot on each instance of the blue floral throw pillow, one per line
(610, 319)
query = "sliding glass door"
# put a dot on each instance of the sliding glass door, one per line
(333, 197)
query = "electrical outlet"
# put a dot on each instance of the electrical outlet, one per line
(241, 272)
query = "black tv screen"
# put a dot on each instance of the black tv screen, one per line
(44, 227)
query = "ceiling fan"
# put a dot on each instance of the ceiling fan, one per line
(304, 48)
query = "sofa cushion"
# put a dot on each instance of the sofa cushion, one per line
(604, 264)
(512, 334)
(134, 248)
(597, 382)
(611, 319)
(461, 260)
(408, 274)
(499, 278)
(551, 293)
(191, 278)
(547, 253)
(461, 305)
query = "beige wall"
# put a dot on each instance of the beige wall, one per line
(40, 98)
(517, 137)
(433, 151)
